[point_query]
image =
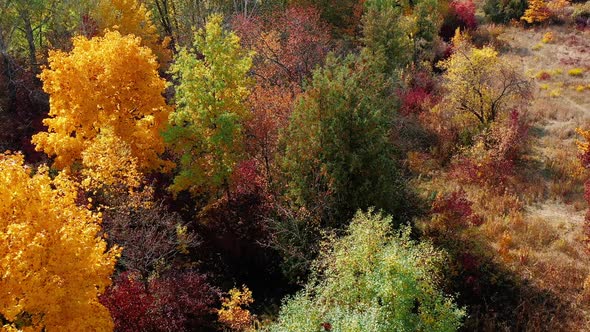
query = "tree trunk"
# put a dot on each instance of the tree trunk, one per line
(28, 29)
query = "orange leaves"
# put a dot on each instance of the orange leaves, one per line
(105, 86)
(54, 264)
(536, 12)
(233, 313)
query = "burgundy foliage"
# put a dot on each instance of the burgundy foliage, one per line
(457, 211)
(461, 14)
(418, 94)
(178, 302)
(289, 44)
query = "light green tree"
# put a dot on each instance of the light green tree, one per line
(372, 280)
(206, 129)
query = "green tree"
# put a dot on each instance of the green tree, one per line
(387, 32)
(207, 126)
(372, 280)
(337, 149)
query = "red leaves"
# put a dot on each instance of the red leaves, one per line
(289, 44)
(455, 210)
(461, 14)
(465, 13)
(180, 302)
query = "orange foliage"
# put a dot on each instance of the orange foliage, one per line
(105, 86)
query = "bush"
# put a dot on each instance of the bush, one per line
(577, 72)
(492, 158)
(461, 14)
(371, 280)
(503, 11)
(581, 13)
(178, 302)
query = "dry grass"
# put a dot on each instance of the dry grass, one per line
(535, 224)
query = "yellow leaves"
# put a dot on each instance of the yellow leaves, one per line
(536, 12)
(131, 17)
(114, 87)
(54, 265)
(583, 146)
(233, 314)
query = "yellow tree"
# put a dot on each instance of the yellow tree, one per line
(54, 265)
(480, 84)
(132, 17)
(109, 86)
(536, 12)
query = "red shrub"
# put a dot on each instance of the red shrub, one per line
(455, 211)
(418, 92)
(465, 13)
(180, 302)
(461, 14)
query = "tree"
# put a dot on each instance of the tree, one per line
(344, 15)
(502, 11)
(207, 126)
(105, 86)
(289, 44)
(132, 17)
(180, 301)
(54, 264)
(480, 84)
(371, 280)
(537, 11)
(337, 144)
(386, 32)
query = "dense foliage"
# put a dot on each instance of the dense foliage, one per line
(54, 264)
(293, 165)
(372, 280)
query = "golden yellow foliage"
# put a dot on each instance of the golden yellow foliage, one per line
(232, 313)
(108, 162)
(536, 12)
(479, 83)
(109, 86)
(132, 17)
(54, 265)
(584, 145)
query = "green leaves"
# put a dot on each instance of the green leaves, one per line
(206, 128)
(372, 280)
(337, 147)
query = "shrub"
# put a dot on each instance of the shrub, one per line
(492, 158)
(453, 212)
(461, 14)
(503, 11)
(548, 37)
(537, 12)
(233, 313)
(371, 280)
(177, 302)
(543, 75)
(576, 72)
(581, 13)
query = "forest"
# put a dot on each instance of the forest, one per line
(294, 165)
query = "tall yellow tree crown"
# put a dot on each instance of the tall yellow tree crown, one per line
(53, 264)
(104, 85)
(132, 17)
